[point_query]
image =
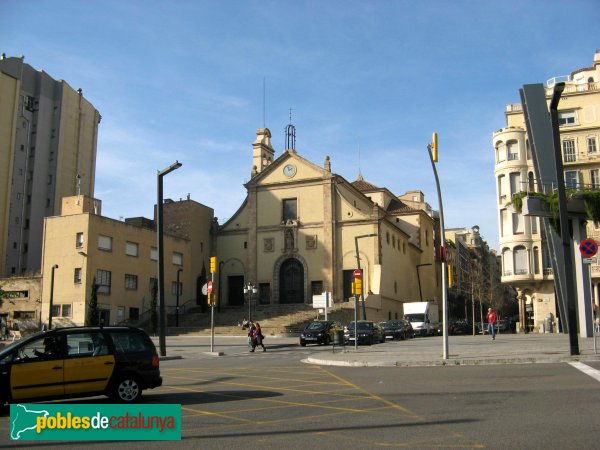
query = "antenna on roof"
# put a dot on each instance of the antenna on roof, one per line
(264, 102)
(360, 177)
(290, 135)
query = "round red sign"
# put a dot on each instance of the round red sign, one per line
(588, 248)
(209, 287)
(357, 273)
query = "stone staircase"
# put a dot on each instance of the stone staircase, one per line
(275, 320)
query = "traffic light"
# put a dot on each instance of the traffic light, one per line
(213, 264)
(450, 279)
(357, 286)
(434, 147)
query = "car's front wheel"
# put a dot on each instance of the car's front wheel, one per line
(127, 390)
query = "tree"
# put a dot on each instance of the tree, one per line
(91, 316)
(153, 305)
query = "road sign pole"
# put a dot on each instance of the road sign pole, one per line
(212, 313)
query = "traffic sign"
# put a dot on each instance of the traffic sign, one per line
(588, 248)
(357, 273)
(209, 287)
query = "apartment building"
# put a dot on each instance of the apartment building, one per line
(120, 257)
(48, 136)
(526, 261)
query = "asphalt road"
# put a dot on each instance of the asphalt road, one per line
(272, 400)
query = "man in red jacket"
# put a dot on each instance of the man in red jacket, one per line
(491, 319)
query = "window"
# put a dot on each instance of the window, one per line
(569, 154)
(536, 260)
(55, 310)
(500, 152)
(290, 209)
(515, 183)
(512, 151)
(177, 258)
(131, 248)
(501, 190)
(595, 178)
(86, 344)
(571, 179)
(77, 275)
(174, 288)
(79, 240)
(316, 287)
(154, 254)
(24, 315)
(534, 227)
(134, 313)
(131, 281)
(517, 223)
(65, 311)
(592, 147)
(264, 293)
(103, 278)
(567, 118)
(521, 266)
(105, 243)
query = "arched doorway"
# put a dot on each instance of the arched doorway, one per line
(291, 282)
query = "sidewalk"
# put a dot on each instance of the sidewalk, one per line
(462, 350)
(419, 352)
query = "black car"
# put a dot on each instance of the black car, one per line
(459, 327)
(398, 329)
(118, 362)
(320, 332)
(369, 332)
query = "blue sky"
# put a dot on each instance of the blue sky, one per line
(183, 80)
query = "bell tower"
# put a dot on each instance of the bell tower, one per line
(263, 153)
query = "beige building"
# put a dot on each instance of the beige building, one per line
(21, 302)
(296, 235)
(48, 135)
(525, 258)
(122, 259)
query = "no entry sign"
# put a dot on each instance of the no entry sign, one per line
(588, 248)
(357, 273)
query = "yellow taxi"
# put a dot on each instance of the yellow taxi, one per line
(119, 362)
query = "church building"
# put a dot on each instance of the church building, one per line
(301, 229)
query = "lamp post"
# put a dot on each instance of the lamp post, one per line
(161, 260)
(249, 289)
(177, 301)
(419, 278)
(432, 149)
(54, 267)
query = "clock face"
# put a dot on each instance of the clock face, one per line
(289, 170)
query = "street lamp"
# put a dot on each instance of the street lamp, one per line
(54, 267)
(161, 260)
(177, 301)
(432, 149)
(250, 289)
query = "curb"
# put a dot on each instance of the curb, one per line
(449, 362)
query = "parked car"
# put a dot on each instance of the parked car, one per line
(459, 327)
(320, 332)
(369, 332)
(119, 362)
(398, 329)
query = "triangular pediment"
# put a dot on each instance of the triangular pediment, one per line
(289, 167)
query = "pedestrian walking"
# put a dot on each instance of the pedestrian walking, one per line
(257, 337)
(491, 319)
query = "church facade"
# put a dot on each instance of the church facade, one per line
(301, 229)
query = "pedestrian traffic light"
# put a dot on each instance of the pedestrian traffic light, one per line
(213, 264)
(434, 147)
